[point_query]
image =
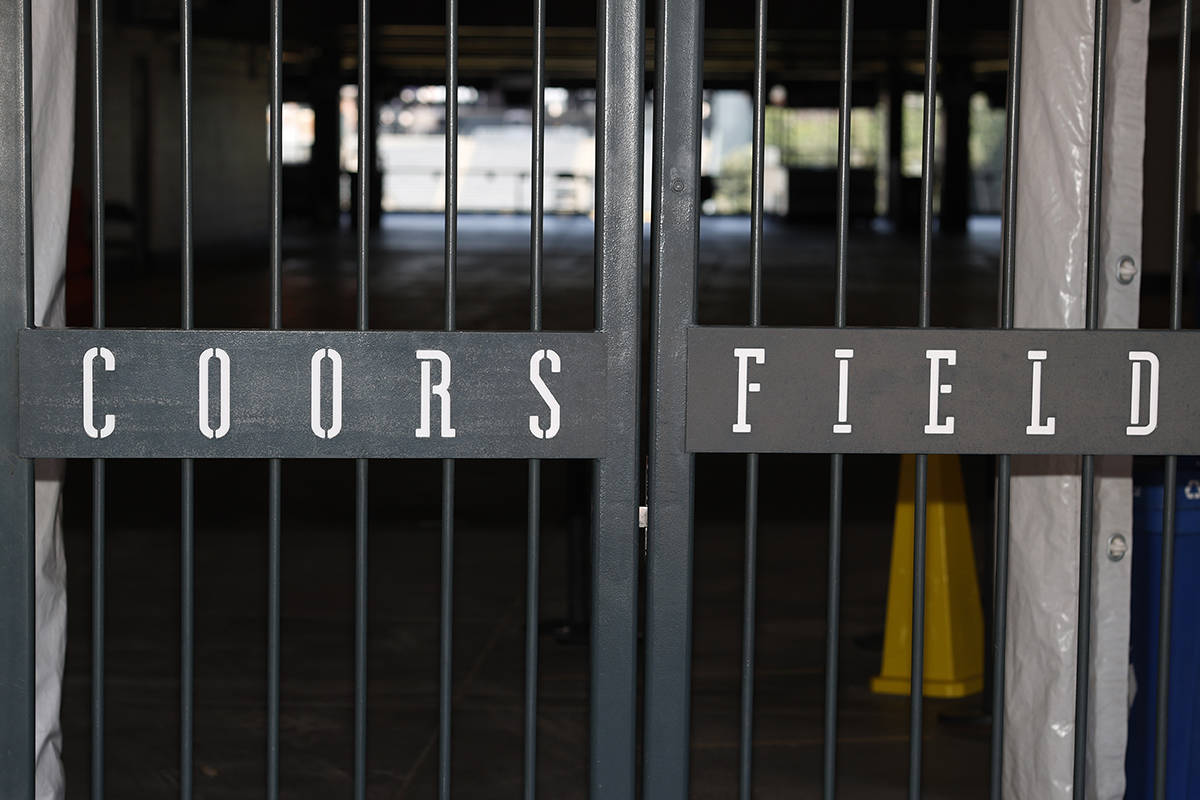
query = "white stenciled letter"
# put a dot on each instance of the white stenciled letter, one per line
(335, 424)
(936, 387)
(1135, 395)
(110, 422)
(744, 387)
(1036, 427)
(843, 356)
(429, 388)
(223, 359)
(535, 377)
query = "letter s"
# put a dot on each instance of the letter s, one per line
(535, 377)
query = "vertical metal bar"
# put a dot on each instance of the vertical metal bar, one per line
(1179, 244)
(187, 467)
(97, 88)
(360, 628)
(834, 589)
(1008, 271)
(187, 626)
(450, 273)
(843, 166)
(273, 623)
(757, 168)
(1162, 707)
(929, 124)
(534, 510)
(745, 771)
(274, 478)
(366, 127)
(675, 231)
(917, 685)
(1087, 472)
(445, 684)
(16, 490)
(746, 741)
(188, 305)
(1083, 652)
(276, 137)
(532, 551)
(917, 673)
(1000, 624)
(97, 628)
(365, 169)
(537, 166)
(833, 626)
(446, 674)
(620, 76)
(98, 473)
(1095, 166)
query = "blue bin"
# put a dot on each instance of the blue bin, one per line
(1183, 720)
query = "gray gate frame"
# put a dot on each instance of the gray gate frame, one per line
(612, 763)
(613, 766)
(674, 246)
(674, 249)
(16, 480)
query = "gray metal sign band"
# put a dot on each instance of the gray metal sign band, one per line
(308, 394)
(943, 391)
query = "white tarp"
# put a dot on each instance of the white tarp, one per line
(1052, 229)
(53, 123)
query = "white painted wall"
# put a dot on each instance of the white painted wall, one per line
(229, 137)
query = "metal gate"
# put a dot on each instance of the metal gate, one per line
(844, 390)
(189, 394)
(102, 393)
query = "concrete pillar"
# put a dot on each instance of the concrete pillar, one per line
(956, 172)
(326, 169)
(374, 172)
(374, 175)
(895, 146)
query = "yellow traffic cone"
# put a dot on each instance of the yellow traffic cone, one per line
(953, 615)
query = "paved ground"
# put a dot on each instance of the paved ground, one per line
(406, 277)
(143, 577)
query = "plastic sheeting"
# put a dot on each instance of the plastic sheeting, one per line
(1052, 229)
(53, 123)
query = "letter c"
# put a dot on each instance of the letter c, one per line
(110, 422)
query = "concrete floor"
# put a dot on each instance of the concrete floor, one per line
(406, 286)
(317, 658)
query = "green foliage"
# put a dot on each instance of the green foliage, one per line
(803, 138)
(808, 137)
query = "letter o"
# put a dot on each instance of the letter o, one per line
(335, 425)
(223, 359)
